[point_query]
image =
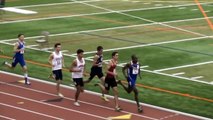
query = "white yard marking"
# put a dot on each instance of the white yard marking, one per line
(145, 66)
(197, 77)
(97, 13)
(52, 4)
(184, 66)
(17, 10)
(180, 73)
(194, 9)
(140, 18)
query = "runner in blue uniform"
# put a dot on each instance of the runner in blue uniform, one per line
(19, 57)
(131, 71)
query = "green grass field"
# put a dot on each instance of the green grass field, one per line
(169, 37)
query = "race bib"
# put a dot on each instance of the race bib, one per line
(135, 70)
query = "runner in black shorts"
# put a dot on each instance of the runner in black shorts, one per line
(110, 81)
(97, 69)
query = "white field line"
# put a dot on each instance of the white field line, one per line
(151, 44)
(197, 77)
(97, 13)
(144, 66)
(111, 28)
(180, 77)
(184, 66)
(30, 111)
(96, 105)
(5, 117)
(52, 4)
(52, 105)
(155, 72)
(18, 10)
(140, 18)
(98, 94)
(180, 73)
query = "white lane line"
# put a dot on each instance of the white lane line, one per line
(27, 110)
(98, 94)
(52, 105)
(169, 116)
(5, 117)
(197, 77)
(184, 66)
(96, 105)
(180, 73)
(140, 18)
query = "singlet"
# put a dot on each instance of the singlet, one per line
(57, 60)
(99, 60)
(111, 69)
(80, 66)
(133, 70)
(20, 46)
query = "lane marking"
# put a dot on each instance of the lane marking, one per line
(27, 110)
(98, 94)
(52, 105)
(5, 117)
(96, 105)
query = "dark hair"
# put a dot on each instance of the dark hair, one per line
(19, 35)
(79, 51)
(99, 48)
(134, 56)
(57, 44)
(113, 54)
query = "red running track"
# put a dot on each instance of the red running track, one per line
(40, 102)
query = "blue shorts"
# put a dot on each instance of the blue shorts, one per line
(131, 82)
(19, 60)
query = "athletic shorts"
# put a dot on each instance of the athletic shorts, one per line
(110, 82)
(78, 82)
(19, 60)
(131, 82)
(58, 74)
(96, 71)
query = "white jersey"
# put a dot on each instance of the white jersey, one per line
(80, 66)
(57, 60)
